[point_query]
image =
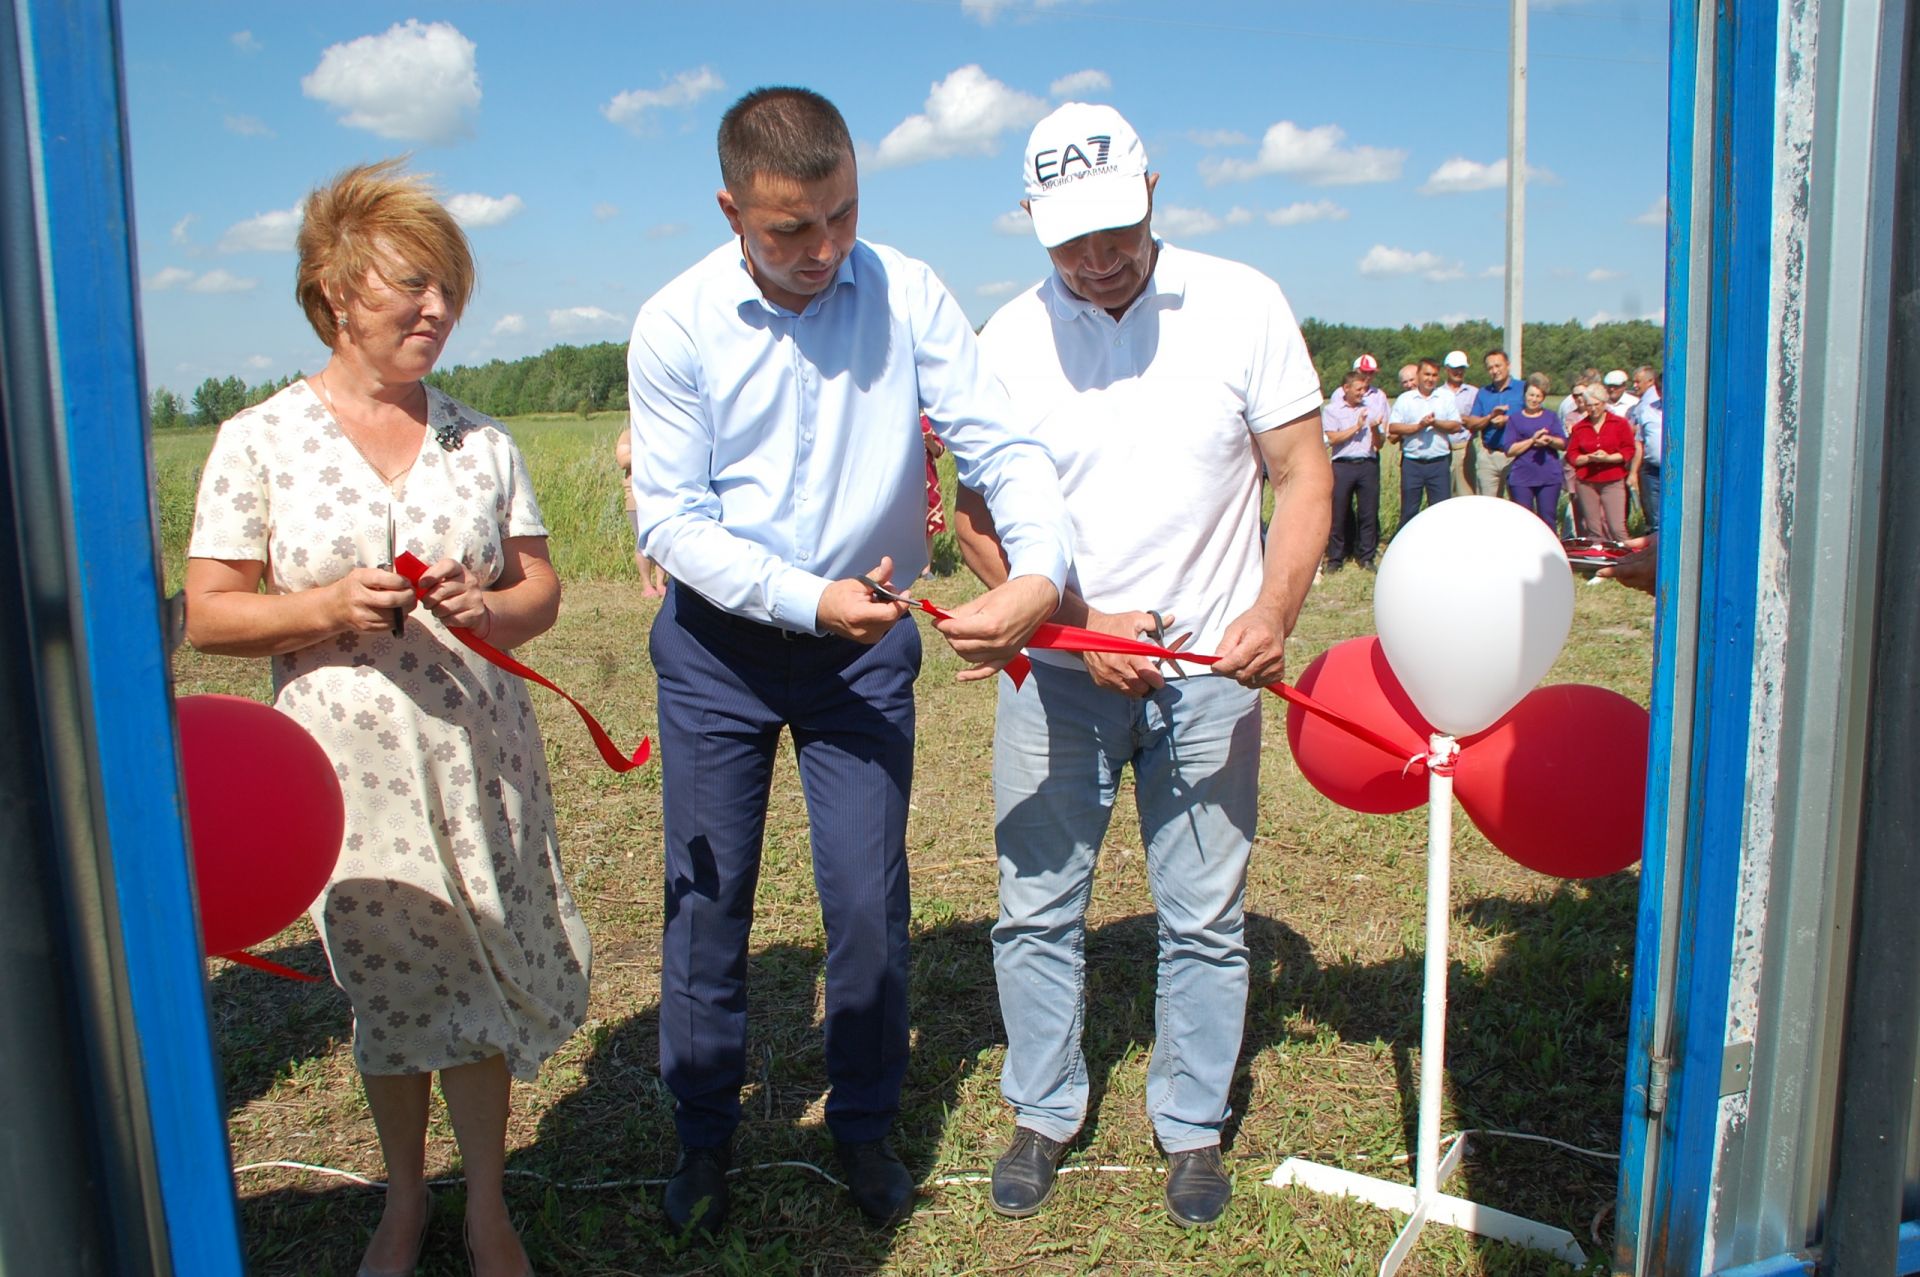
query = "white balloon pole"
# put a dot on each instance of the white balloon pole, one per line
(1424, 1203)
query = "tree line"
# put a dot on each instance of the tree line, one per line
(584, 379)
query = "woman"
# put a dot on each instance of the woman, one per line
(1537, 440)
(447, 921)
(1600, 448)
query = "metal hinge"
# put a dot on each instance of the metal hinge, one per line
(1659, 1074)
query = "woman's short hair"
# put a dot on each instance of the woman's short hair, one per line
(1540, 379)
(369, 218)
(791, 133)
(1595, 393)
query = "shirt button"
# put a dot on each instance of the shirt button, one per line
(802, 556)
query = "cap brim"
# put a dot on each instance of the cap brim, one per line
(1071, 214)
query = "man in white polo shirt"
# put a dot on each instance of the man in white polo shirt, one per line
(1163, 382)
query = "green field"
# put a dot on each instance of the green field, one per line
(1539, 982)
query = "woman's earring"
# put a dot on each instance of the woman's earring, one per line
(340, 318)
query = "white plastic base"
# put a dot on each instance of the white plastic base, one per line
(1439, 1208)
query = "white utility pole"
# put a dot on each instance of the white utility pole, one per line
(1516, 182)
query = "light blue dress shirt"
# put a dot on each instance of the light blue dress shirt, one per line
(774, 453)
(1649, 418)
(1431, 443)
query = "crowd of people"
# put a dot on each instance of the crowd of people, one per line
(777, 492)
(1585, 469)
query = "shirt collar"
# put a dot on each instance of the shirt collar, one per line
(747, 292)
(1166, 286)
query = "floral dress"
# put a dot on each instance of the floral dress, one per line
(447, 920)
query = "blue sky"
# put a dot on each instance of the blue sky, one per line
(1355, 152)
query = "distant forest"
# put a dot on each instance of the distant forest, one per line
(584, 379)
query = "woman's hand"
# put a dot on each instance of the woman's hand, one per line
(365, 598)
(456, 596)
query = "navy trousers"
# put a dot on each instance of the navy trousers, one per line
(1422, 478)
(1356, 510)
(727, 686)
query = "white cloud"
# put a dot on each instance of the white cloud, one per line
(1382, 262)
(259, 362)
(965, 115)
(179, 232)
(266, 233)
(167, 277)
(1494, 272)
(1013, 222)
(1298, 214)
(583, 321)
(509, 324)
(1455, 317)
(629, 109)
(1656, 214)
(603, 211)
(415, 83)
(1315, 156)
(999, 288)
(248, 126)
(1237, 216)
(666, 230)
(985, 11)
(1601, 274)
(245, 42)
(1080, 83)
(1461, 174)
(474, 210)
(1608, 317)
(220, 281)
(1185, 223)
(1217, 137)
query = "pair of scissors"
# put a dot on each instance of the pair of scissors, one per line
(881, 592)
(1172, 645)
(399, 614)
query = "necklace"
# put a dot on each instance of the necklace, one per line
(385, 478)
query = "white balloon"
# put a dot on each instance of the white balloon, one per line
(1472, 605)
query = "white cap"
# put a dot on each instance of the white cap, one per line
(1615, 378)
(1456, 359)
(1085, 171)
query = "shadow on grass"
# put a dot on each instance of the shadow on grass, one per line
(1535, 1044)
(267, 1025)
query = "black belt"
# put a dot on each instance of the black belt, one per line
(1357, 461)
(698, 611)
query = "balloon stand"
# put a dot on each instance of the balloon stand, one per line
(1422, 1202)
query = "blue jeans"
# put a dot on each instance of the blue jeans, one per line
(1650, 495)
(1060, 744)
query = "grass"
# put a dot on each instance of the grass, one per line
(1539, 989)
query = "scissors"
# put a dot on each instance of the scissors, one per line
(882, 592)
(1172, 645)
(399, 614)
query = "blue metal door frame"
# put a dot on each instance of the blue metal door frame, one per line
(1674, 1164)
(80, 183)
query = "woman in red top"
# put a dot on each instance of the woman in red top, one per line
(1600, 449)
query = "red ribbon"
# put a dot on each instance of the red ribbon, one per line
(1073, 638)
(409, 566)
(269, 966)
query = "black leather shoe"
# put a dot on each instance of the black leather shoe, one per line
(876, 1180)
(1023, 1177)
(1197, 1186)
(697, 1194)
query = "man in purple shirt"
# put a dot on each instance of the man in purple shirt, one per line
(1354, 429)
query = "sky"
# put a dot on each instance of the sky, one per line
(1355, 152)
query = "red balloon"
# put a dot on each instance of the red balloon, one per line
(1560, 783)
(1353, 680)
(266, 814)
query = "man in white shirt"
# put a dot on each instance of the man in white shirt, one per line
(1163, 382)
(776, 391)
(1460, 467)
(1423, 422)
(1619, 399)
